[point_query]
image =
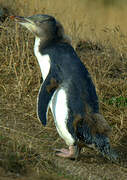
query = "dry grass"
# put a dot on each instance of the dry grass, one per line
(101, 42)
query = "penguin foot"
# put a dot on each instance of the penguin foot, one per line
(70, 153)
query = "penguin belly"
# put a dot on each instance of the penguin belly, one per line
(59, 109)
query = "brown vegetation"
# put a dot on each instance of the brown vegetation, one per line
(100, 39)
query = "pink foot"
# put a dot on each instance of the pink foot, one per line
(72, 152)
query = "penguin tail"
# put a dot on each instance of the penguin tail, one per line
(100, 132)
(102, 144)
(94, 131)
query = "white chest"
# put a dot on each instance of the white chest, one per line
(43, 60)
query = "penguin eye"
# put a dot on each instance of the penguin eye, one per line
(38, 22)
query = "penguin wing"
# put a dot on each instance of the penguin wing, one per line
(46, 91)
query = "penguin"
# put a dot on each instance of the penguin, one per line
(67, 89)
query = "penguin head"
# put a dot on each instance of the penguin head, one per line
(43, 26)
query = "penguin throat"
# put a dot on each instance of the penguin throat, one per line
(43, 60)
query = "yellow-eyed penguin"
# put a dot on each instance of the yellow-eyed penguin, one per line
(67, 89)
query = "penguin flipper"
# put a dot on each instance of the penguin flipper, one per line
(46, 91)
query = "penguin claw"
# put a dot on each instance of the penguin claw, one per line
(62, 150)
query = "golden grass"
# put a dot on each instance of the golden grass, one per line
(99, 36)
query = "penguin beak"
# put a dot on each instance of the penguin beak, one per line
(30, 25)
(18, 18)
(21, 19)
